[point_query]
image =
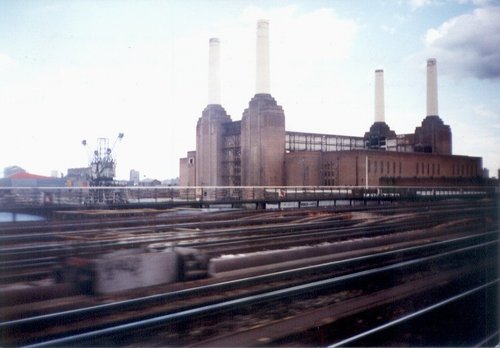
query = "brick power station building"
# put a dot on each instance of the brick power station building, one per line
(259, 151)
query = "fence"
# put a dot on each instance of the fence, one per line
(95, 196)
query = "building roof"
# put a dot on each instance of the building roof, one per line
(24, 175)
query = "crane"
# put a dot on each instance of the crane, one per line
(102, 162)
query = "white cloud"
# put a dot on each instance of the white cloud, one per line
(416, 4)
(388, 29)
(307, 52)
(156, 101)
(6, 62)
(468, 45)
(478, 141)
(303, 45)
(484, 112)
(319, 33)
(477, 2)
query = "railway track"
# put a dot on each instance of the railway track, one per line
(269, 234)
(21, 242)
(423, 265)
(443, 243)
(395, 329)
(193, 218)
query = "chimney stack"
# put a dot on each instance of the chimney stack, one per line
(379, 96)
(214, 71)
(432, 93)
(262, 76)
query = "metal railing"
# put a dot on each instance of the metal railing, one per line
(75, 196)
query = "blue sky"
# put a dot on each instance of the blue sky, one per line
(73, 70)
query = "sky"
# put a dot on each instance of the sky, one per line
(89, 69)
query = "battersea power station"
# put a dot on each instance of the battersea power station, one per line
(258, 150)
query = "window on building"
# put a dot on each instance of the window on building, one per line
(439, 169)
(394, 168)
(400, 168)
(428, 167)
(417, 168)
(433, 169)
(388, 167)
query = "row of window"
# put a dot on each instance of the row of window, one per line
(463, 170)
(432, 169)
(421, 168)
(329, 174)
(329, 182)
(384, 167)
(328, 143)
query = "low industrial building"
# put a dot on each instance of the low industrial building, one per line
(24, 179)
(258, 151)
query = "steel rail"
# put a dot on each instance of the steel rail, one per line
(174, 229)
(488, 339)
(309, 235)
(159, 239)
(97, 225)
(413, 315)
(349, 232)
(61, 249)
(37, 261)
(24, 277)
(253, 299)
(109, 222)
(201, 217)
(252, 229)
(238, 303)
(148, 300)
(293, 229)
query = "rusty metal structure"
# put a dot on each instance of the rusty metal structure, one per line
(102, 173)
(102, 163)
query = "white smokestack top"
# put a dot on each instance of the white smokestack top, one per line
(262, 77)
(432, 92)
(379, 96)
(214, 71)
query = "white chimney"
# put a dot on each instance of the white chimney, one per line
(214, 71)
(379, 96)
(262, 76)
(432, 93)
